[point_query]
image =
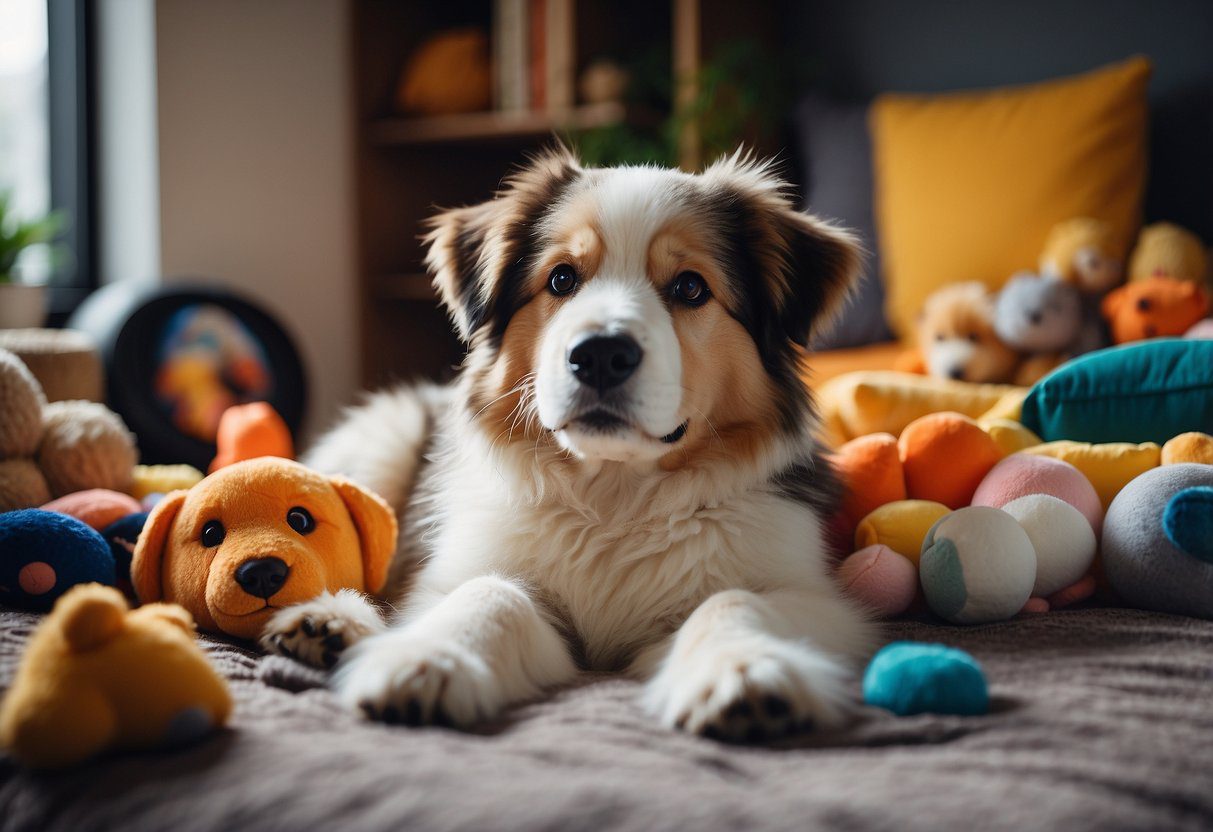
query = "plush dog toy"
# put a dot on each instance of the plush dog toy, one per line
(1154, 307)
(97, 676)
(957, 339)
(260, 535)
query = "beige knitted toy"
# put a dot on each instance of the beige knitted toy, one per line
(48, 450)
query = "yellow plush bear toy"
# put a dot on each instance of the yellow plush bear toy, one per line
(97, 675)
(1083, 252)
(1167, 250)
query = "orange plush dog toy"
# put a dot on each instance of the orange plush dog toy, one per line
(1154, 307)
(260, 535)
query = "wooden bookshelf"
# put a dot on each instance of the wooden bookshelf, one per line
(407, 165)
(488, 126)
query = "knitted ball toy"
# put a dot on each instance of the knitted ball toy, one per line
(977, 565)
(86, 445)
(908, 678)
(21, 418)
(1063, 539)
(22, 485)
(44, 554)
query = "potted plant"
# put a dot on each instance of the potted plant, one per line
(21, 304)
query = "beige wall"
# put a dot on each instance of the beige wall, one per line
(256, 180)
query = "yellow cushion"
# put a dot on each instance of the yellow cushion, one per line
(1109, 466)
(873, 401)
(1010, 436)
(969, 184)
(901, 526)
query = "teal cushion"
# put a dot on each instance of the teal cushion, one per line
(1148, 391)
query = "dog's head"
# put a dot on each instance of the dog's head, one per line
(257, 536)
(957, 337)
(637, 314)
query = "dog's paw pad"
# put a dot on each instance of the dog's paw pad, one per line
(755, 699)
(318, 631)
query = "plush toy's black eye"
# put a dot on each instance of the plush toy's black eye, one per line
(562, 280)
(300, 519)
(690, 288)
(1143, 304)
(212, 534)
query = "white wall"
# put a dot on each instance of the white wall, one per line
(255, 167)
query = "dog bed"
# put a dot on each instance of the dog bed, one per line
(1101, 720)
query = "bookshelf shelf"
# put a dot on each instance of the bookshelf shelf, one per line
(490, 126)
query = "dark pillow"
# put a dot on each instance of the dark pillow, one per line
(836, 160)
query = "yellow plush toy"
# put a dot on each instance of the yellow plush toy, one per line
(1083, 252)
(1166, 250)
(98, 676)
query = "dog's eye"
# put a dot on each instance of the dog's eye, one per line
(939, 336)
(690, 288)
(974, 337)
(212, 534)
(562, 280)
(300, 519)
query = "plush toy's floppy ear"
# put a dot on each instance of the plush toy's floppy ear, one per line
(376, 524)
(149, 551)
(90, 616)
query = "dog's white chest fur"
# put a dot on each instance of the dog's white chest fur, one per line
(621, 558)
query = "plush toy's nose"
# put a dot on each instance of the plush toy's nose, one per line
(262, 577)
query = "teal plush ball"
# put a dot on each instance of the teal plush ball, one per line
(909, 677)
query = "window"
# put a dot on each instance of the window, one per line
(25, 171)
(45, 136)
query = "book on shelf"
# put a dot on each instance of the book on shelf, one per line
(534, 44)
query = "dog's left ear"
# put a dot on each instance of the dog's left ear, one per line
(376, 525)
(476, 254)
(807, 267)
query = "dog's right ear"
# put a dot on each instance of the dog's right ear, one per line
(477, 254)
(149, 550)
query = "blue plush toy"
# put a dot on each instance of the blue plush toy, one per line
(122, 535)
(43, 554)
(908, 677)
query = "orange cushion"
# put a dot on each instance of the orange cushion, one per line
(969, 184)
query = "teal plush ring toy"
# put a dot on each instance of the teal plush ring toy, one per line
(908, 677)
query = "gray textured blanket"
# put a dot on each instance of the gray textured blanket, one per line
(1103, 720)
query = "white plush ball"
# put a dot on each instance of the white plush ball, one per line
(977, 565)
(1062, 537)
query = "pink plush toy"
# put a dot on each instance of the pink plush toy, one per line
(96, 507)
(1022, 474)
(881, 578)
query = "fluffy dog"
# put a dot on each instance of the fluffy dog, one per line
(624, 476)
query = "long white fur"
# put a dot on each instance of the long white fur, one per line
(706, 583)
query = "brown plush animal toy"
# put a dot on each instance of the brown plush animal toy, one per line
(957, 339)
(260, 535)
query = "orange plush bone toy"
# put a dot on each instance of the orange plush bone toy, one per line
(260, 535)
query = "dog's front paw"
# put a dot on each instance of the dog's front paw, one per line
(399, 678)
(316, 632)
(750, 691)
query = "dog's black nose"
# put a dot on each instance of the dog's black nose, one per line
(603, 361)
(262, 577)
